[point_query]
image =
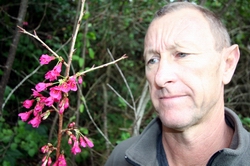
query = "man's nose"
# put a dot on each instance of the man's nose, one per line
(166, 73)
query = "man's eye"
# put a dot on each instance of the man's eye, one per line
(181, 54)
(153, 61)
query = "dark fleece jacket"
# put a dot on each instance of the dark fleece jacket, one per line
(142, 150)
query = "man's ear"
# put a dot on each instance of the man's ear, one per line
(231, 57)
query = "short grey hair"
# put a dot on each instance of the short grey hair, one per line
(219, 31)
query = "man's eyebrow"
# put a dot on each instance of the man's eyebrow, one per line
(149, 51)
(184, 44)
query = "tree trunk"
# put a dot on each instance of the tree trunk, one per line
(12, 52)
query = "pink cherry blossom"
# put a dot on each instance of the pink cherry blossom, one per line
(58, 68)
(61, 161)
(82, 142)
(49, 161)
(64, 104)
(45, 149)
(54, 73)
(89, 143)
(45, 59)
(46, 161)
(35, 93)
(35, 122)
(38, 108)
(73, 137)
(80, 80)
(72, 83)
(25, 115)
(76, 149)
(42, 86)
(64, 87)
(55, 92)
(28, 103)
(72, 125)
(25, 23)
(50, 75)
(70, 141)
(49, 101)
(42, 99)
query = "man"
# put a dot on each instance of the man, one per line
(188, 60)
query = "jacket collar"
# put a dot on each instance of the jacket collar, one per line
(143, 151)
(239, 148)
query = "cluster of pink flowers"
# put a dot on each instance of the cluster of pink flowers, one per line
(56, 91)
(79, 139)
(58, 94)
(46, 161)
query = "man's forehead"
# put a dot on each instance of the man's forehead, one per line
(179, 27)
(182, 17)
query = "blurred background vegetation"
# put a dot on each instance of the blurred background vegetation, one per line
(108, 25)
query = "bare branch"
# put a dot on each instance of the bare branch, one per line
(92, 120)
(22, 30)
(126, 83)
(120, 96)
(28, 76)
(101, 66)
(72, 49)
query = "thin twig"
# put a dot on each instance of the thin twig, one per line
(44, 14)
(101, 66)
(92, 120)
(28, 76)
(126, 83)
(22, 30)
(119, 96)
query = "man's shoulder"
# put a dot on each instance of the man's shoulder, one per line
(124, 145)
(118, 154)
(136, 146)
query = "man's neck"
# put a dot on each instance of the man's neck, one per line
(196, 145)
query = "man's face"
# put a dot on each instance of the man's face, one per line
(183, 69)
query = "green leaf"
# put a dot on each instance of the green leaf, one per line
(13, 146)
(6, 139)
(91, 35)
(17, 140)
(84, 84)
(86, 15)
(84, 130)
(75, 58)
(81, 108)
(81, 62)
(6, 163)
(91, 53)
(21, 123)
(72, 118)
(32, 152)
(122, 103)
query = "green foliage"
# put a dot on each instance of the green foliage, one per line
(124, 136)
(245, 121)
(20, 142)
